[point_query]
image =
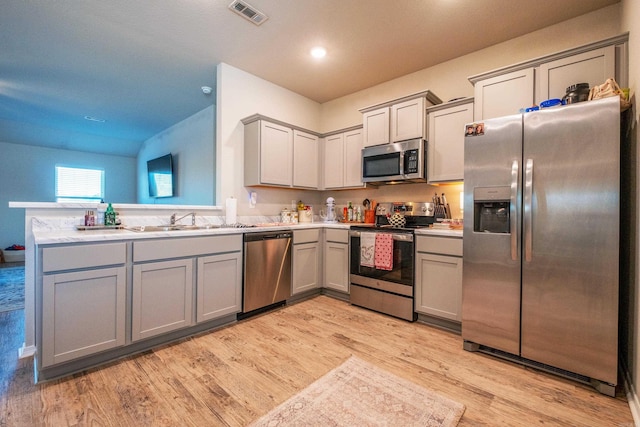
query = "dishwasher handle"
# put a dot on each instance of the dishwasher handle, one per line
(269, 235)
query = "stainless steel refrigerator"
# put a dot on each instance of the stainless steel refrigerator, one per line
(541, 239)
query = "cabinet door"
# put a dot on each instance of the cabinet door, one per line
(336, 269)
(353, 158)
(82, 313)
(334, 161)
(219, 286)
(305, 160)
(439, 286)
(276, 154)
(407, 120)
(306, 259)
(503, 95)
(446, 143)
(376, 127)
(162, 297)
(592, 67)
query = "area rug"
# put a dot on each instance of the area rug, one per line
(11, 288)
(358, 393)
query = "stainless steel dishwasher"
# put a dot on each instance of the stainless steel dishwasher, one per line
(267, 269)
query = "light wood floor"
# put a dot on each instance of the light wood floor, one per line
(233, 375)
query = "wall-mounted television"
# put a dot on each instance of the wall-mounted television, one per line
(160, 173)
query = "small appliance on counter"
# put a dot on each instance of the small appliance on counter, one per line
(328, 214)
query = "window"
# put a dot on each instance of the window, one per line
(79, 184)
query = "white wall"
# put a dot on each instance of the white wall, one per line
(192, 144)
(27, 174)
(450, 79)
(240, 95)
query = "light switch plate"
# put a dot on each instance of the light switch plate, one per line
(253, 198)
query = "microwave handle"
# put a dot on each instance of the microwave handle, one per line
(402, 163)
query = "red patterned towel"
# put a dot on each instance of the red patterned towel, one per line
(384, 251)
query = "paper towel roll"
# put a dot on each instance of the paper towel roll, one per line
(232, 210)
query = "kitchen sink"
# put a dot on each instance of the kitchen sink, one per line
(176, 227)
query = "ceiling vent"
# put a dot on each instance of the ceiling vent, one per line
(247, 11)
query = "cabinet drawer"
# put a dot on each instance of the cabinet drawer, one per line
(440, 245)
(339, 236)
(306, 236)
(83, 256)
(176, 248)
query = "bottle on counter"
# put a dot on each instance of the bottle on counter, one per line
(89, 219)
(109, 216)
(350, 212)
(102, 207)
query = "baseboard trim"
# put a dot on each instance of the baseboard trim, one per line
(25, 352)
(632, 396)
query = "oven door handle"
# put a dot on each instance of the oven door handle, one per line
(400, 237)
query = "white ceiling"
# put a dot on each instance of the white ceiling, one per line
(139, 64)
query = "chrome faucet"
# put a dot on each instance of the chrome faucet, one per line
(174, 219)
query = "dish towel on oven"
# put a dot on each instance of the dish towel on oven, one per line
(367, 248)
(384, 251)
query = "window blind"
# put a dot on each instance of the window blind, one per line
(79, 184)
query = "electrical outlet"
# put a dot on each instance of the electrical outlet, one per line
(253, 198)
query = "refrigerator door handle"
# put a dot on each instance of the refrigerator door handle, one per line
(513, 212)
(528, 200)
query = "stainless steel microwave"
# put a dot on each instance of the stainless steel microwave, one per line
(390, 163)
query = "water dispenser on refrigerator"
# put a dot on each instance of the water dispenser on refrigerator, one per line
(491, 207)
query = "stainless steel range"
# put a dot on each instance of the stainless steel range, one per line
(382, 263)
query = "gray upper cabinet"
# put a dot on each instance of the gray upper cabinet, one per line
(268, 154)
(305, 160)
(506, 90)
(593, 67)
(445, 144)
(397, 120)
(279, 154)
(376, 127)
(342, 162)
(504, 94)
(407, 120)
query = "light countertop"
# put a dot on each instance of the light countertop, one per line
(85, 236)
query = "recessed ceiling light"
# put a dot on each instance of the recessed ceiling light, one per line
(318, 52)
(94, 119)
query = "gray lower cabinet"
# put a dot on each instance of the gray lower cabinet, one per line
(306, 260)
(219, 285)
(165, 273)
(439, 277)
(83, 312)
(162, 299)
(336, 259)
